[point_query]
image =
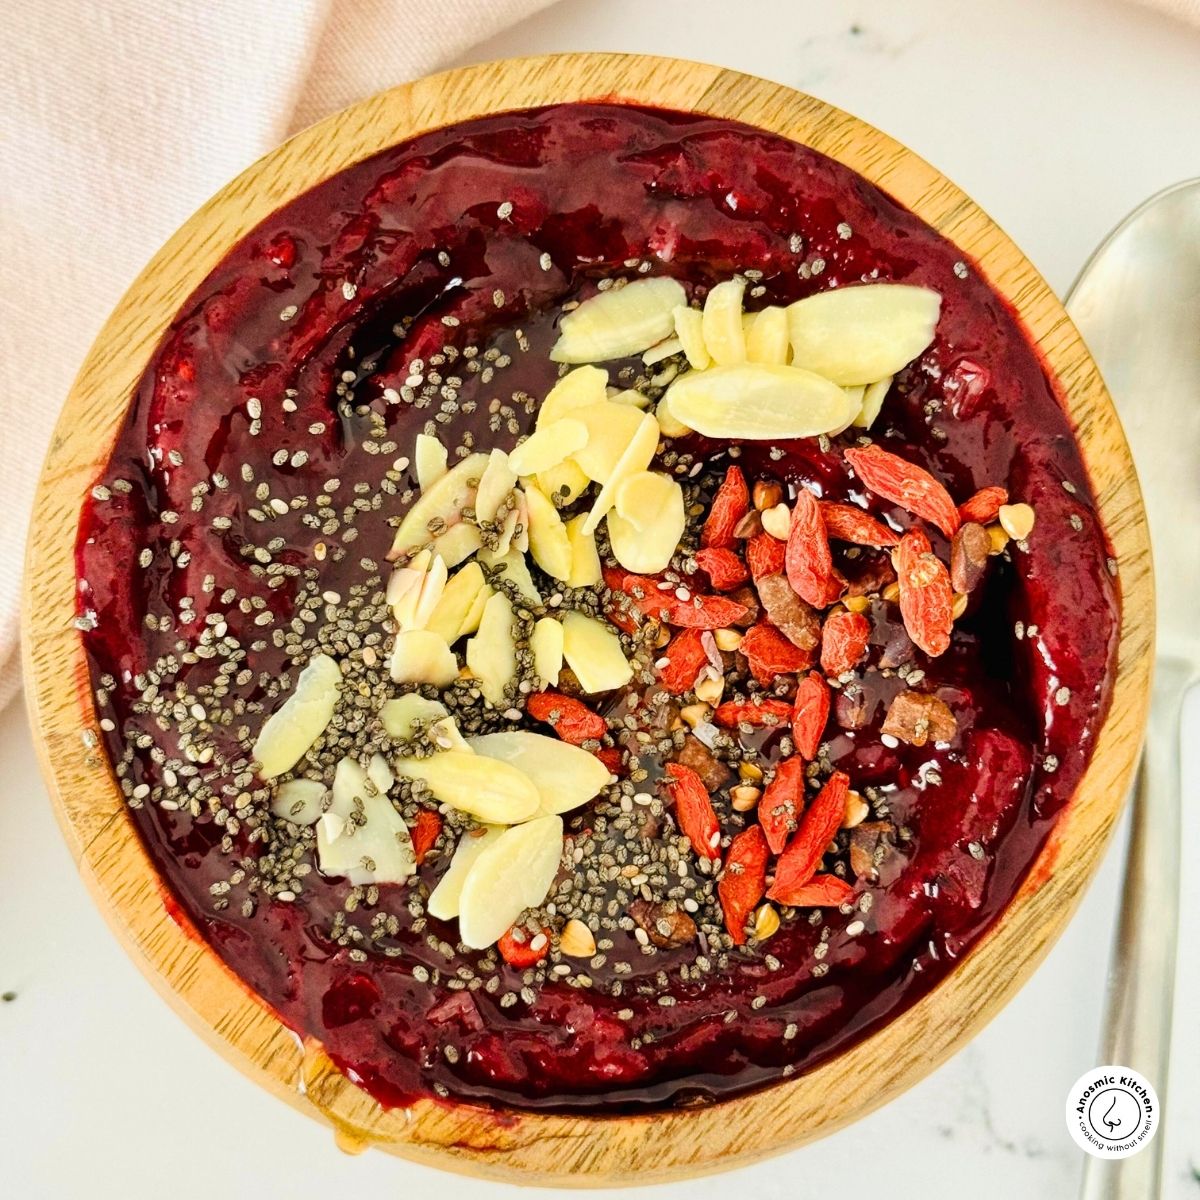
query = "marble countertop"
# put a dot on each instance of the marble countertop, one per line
(1057, 116)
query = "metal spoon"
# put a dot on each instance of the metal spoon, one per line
(1137, 304)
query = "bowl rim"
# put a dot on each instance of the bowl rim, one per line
(514, 1145)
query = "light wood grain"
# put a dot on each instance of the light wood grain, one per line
(554, 1149)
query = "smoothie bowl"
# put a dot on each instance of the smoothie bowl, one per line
(607, 610)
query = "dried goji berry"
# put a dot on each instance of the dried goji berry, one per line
(743, 881)
(844, 639)
(723, 568)
(904, 483)
(821, 891)
(664, 604)
(848, 523)
(517, 947)
(571, 719)
(782, 804)
(810, 714)
(765, 555)
(799, 862)
(693, 810)
(685, 657)
(425, 832)
(729, 506)
(807, 560)
(610, 756)
(983, 507)
(926, 596)
(767, 712)
(770, 654)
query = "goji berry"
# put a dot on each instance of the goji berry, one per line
(844, 639)
(770, 654)
(663, 604)
(799, 862)
(810, 714)
(807, 560)
(926, 596)
(425, 832)
(610, 756)
(848, 523)
(685, 657)
(729, 506)
(983, 507)
(571, 719)
(743, 881)
(782, 804)
(693, 810)
(904, 483)
(765, 555)
(723, 568)
(767, 712)
(821, 891)
(516, 947)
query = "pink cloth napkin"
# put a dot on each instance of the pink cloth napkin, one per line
(117, 120)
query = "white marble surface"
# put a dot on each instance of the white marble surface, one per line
(1057, 116)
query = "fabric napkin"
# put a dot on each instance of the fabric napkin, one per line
(117, 120)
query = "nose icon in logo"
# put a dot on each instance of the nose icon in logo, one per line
(1113, 1113)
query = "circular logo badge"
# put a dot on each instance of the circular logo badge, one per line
(1112, 1112)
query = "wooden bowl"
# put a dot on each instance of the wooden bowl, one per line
(541, 1148)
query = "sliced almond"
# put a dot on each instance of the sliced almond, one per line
(668, 423)
(585, 559)
(722, 323)
(549, 544)
(647, 523)
(563, 483)
(862, 333)
(636, 457)
(289, 733)
(440, 507)
(579, 388)
(548, 446)
(593, 651)
(419, 656)
(611, 427)
(566, 776)
(758, 402)
(498, 480)
(451, 616)
(299, 801)
(413, 591)
(512, 873)
(457, 544)
(619, 322)
(482, 787)
(443, 900)
(380, 774)
(515, 570)
(767, 336)
(429, 457)
(400, 716)
(362, 836)
(546, 646)
(492, 652)
(689, 328)
(873, 397)
(630, 397)
(664, 349)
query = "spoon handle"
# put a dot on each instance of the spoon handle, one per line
(1141, 976)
